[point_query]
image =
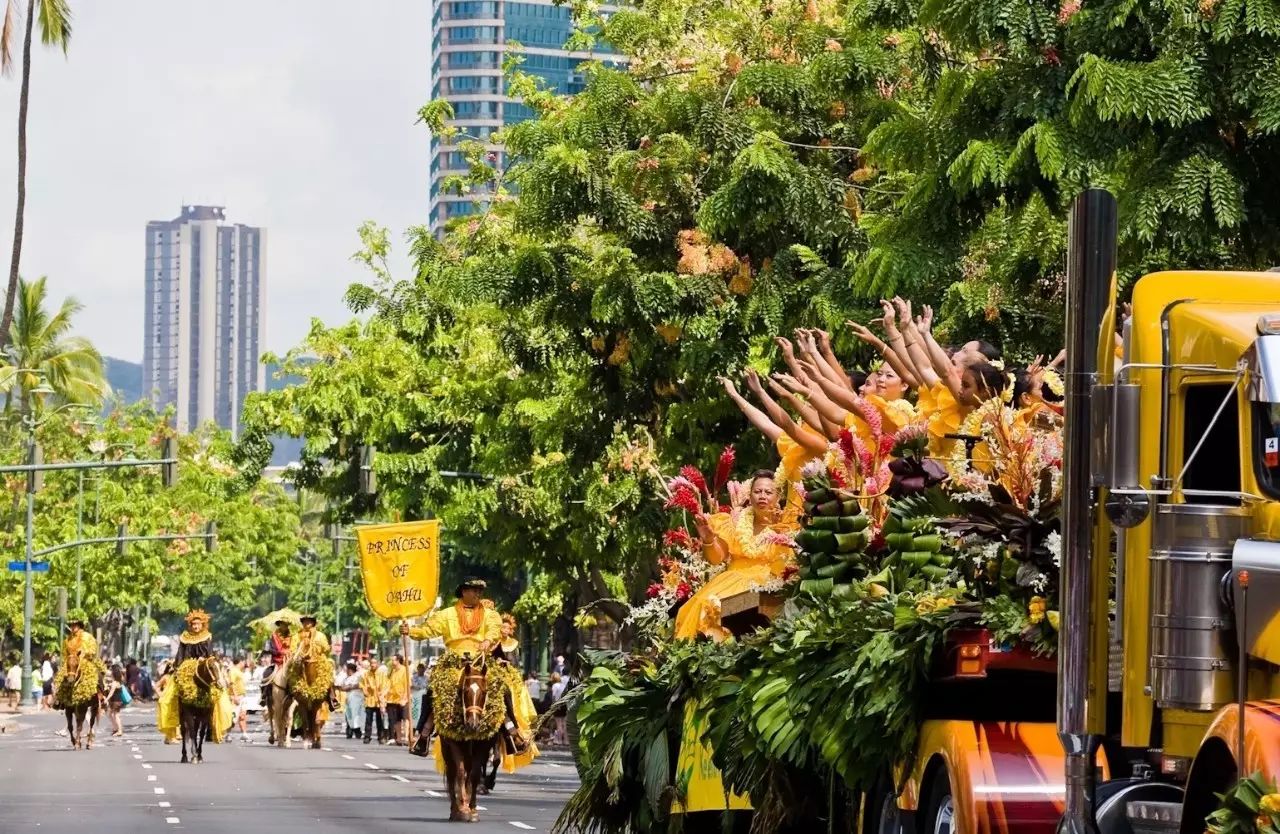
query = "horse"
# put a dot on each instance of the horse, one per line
(466, 749)
(76, 709)
(300, 685)
(196, 717)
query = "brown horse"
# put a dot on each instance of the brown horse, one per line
(77, 712)
(196, 719)
(465, 758)
(285, 700)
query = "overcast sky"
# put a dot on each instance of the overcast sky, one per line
(297, 115)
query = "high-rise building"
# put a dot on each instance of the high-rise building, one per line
(205, 315)
(469, 39)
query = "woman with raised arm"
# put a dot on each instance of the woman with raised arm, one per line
(751, 541)
(900, 363)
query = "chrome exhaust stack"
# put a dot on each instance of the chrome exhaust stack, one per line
(1091, 262)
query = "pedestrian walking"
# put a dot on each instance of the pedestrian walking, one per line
(373, 685)
(558, 667)
(46, 680)
(558, 686)
(13, 683)
(398, 684)
(117, 698)
(237, 684)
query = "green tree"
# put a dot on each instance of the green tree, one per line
(43, 350)
(55, 30)
(750, 169)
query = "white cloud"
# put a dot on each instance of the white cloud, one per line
(297, 115)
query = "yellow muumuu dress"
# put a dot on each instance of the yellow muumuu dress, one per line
(755, 559)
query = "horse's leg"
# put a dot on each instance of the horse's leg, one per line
(92, 710)
(71, 729)
(478, 755)
(456, 777)
(184, 721)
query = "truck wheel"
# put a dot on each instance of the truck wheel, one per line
(880, 812)
(939, 815)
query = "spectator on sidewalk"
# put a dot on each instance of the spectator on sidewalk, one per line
(46, 680)
(13, 683)
(36, 687)
(534, 687)
(558, 686)
(353, 709)
(417, 691)
(236, 682)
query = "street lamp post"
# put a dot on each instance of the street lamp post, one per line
(29, 597)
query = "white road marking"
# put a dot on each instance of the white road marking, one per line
(159, 791)
(163, 804)
(146, 766)
(553, 764)
(327, 749)
(151, 777)
(521, 825)
(436, 794)
(399, 778)
(348, 758)
(371, 766)
(137, 755)
(481, 808)
(172, 820)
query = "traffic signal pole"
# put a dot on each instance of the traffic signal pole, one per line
(33, 470)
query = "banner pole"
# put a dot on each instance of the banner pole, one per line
(408, 664)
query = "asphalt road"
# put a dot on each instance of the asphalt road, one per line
(136, 784)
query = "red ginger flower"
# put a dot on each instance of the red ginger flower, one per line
(677, 538)
(653, 590)
(684, 499)
(724, 468)
(694, 476)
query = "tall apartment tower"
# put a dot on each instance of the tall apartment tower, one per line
(205, 316)
(469, 39)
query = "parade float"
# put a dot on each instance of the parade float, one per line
(894, 556)
(1016, 630)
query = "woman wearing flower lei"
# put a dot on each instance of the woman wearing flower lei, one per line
(752, 540)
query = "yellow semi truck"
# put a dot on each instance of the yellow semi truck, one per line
(1167, 685)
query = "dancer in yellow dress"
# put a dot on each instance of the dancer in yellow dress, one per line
(748, 541)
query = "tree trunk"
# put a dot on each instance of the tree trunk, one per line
(23, 99)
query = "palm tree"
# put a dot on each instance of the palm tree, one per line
(41, 350)
(55, 30)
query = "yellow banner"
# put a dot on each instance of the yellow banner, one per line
(400, 564)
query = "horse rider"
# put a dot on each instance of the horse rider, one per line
(79, 646)
(278, 645)
(313, 645)
(194, 643)
(469, 627)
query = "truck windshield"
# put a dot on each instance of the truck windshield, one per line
(1267, 443)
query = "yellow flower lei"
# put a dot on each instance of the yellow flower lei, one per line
(312, 693)
(189, 692)
(69, 693)
(447, 706)
(1053, 381)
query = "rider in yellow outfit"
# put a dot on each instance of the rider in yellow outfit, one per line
(195, 643)
(470, 628)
